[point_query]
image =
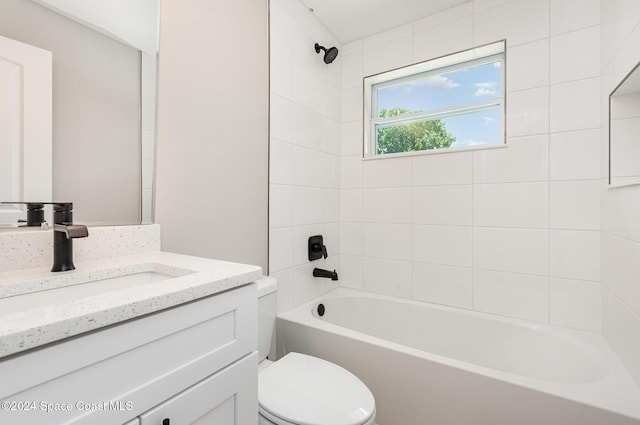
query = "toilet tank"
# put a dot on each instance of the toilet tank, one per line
(267, 306)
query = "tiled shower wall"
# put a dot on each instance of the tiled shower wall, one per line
(304, 151)
(620, 206)
(512, 230)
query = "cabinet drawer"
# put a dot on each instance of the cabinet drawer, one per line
(229, 397)
(130, 367)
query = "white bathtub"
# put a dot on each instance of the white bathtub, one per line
(433, 365)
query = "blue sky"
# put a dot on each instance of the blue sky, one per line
(464, 86)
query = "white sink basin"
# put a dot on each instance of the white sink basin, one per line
(46, 289)
(46, 297)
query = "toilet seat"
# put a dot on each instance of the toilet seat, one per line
(304, 390)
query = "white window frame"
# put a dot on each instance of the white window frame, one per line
(477, 56)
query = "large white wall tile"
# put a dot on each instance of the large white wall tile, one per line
(353, 47)
(352, 71)
(332, 103)
(285, 289)
(523, 159)
(352, 106)
(389, 55)
(511, 205)
(282, 74)
(621, 269)
(480, 5)
(575, 105)
(441, 169)
(448, 15)
(391, 241)
(621, 326)
(280, 205)
(387, 172)
(575, 303)
(387, 36)
(281, 118)
(443, 284)
(308, 205)
(511, 250)
(571, 15)
(442, 205)
(281, 30)
(528, 112)
(351, 238)
(528, 65)
(575, 254)
(280, 249)
(310, 167)
(351, 205)
(621, 212)
(281, 162)
(452, 37)
(446, 245)
(518, 21)
(387, 205)
(575, 55)
(308, 128)
(390, 277)
(575, 205)
(351, 271)
(510, 294)
(351, 172)
(331, 136)
(351, 138)
(566, 147)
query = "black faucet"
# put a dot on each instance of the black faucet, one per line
(325, 273)
(35, 213)
(64, 231)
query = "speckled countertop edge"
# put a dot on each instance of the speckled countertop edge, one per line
(31, 328)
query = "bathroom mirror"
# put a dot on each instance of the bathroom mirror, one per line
(104, 98)
(624, 131)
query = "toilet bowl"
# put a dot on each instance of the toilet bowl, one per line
(304, 390)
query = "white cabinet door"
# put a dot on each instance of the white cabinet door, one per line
(229, 397)
(25, 126)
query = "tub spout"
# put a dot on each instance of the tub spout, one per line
(325, 273)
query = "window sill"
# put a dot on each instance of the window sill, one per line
(436, 152)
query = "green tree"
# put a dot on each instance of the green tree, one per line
(413, 136)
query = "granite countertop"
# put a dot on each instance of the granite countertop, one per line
(31, 316)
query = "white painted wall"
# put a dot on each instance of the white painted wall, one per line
(132, 22)
(620, 39)
(305, 147)
(212, 140)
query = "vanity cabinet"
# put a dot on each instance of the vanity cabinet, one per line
(225, 398)
(194, 363)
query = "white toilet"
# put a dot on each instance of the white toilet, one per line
(303, 390)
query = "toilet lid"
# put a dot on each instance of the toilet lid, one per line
(306, 390)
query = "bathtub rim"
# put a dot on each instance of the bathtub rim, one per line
(603, 393)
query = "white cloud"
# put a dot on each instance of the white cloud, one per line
(486, 89)
(466, 142)
(497, 64)
(437, 81)
(440, 82)
(488, 120)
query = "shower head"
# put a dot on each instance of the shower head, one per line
(329, 54)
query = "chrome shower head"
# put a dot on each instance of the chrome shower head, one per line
(329, 54)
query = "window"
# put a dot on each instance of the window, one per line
(455, 101)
